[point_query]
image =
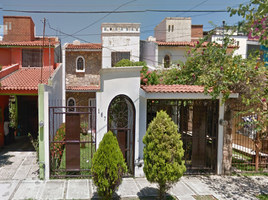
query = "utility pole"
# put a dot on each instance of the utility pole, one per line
(223, 23)
(49, 55)
(43, 50)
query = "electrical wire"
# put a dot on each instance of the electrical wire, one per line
(103, 17)
(193, 7)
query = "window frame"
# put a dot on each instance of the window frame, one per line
(84, 67)
(165, 65)
(69, 109)
(119, 56)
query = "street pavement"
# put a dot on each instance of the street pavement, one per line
(19, 180)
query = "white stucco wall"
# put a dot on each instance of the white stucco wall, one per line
(180, 29)
(242, 40)
(120, 37)
(176, 53)
(52, 97)
(160, 31)
(117, 81)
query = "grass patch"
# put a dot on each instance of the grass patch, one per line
(255, 174)
(238, 155)
(244, 165)
(145, 198)
(86, 154)
(263, 196)
(204, 197)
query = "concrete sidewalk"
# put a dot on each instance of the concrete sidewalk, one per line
(84, 189)
(19, 180)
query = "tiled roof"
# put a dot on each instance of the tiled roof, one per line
(29, 43)
(173, 88)
(190, 44)
(91, 87)
(84, 46)
(25, 79)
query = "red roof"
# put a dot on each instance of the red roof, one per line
(84, 46)
(173, 88)
(91, 87)
(191, 44)
(29, 43)
(25, 79)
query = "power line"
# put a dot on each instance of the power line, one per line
(115, 10)
(193, 7)
(10, 5)
(110, 12)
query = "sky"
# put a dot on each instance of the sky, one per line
(60, 24)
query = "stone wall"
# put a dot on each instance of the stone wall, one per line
(227, 138)
(81, 99)
(92, 66)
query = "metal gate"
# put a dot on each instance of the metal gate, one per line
(197, 122)
(72, 144)
(121, 121)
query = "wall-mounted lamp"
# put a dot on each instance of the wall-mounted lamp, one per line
(104, 118)
(41, 124)
(223, 122)
(101, 114)
(98, 111)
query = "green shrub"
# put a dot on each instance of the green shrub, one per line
(108, 166)
(58, 146)
(147, 77)
(163, 153)
(35, 143)
(128, 63)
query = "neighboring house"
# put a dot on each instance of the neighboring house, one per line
(239, 39)
(82, 63)
(247, 43)
(22, 56)
(172, 37)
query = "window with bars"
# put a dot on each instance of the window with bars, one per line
(80, 64)
(117, 56)
(32, 57)
(70, 103)
(166, 61)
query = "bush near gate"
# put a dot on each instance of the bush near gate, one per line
(163, 153)
(108, 166)
(57, 148)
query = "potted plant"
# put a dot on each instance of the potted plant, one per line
(84, 128)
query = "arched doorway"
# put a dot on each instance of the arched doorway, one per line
(121, 121)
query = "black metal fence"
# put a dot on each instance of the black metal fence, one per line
(72, 144)
(249, 147)
(197, 122)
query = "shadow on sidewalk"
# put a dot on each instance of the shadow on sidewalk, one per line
(4, 159)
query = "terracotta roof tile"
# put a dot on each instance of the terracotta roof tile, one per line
(29, 43)
(91, 87)
(190, 44)
(173, 88)
(25, 79)
(84, 46)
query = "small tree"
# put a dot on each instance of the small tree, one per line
(163, 153)
(108, 166)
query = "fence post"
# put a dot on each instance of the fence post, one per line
(257, 142)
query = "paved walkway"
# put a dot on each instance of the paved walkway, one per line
(139, 187)
(19, 180)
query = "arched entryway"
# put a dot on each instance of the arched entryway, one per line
(121, 121)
